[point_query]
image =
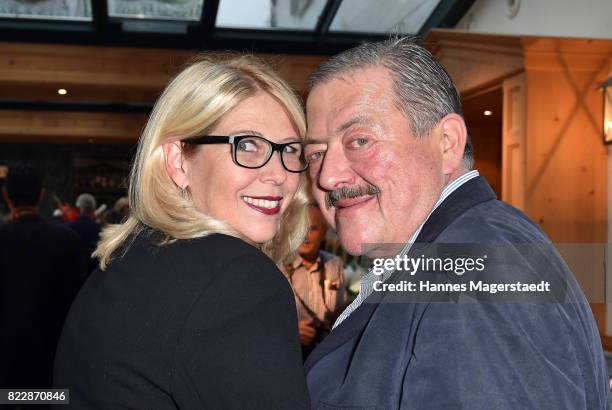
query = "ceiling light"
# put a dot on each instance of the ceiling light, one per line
(487, 113)
(62, 91)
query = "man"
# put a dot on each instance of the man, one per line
(87, 228)
(40, 268)
(318, 284)
(391, 161)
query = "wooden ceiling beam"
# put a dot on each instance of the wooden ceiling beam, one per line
(47, 126)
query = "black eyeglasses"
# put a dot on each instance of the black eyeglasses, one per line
(252, 151)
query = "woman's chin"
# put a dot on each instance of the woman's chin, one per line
(259, 237)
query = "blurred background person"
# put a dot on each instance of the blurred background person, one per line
(87, 228)
(118, 213)
(40, 270)
(317, 280)
(190, 309)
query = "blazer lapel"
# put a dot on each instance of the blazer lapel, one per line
(345, 330)
(468, 195)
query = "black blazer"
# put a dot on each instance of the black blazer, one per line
(207, 323)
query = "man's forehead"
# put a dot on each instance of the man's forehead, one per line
(332, 112)
(358, 119)
(357, 84)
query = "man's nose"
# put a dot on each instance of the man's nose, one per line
(335, 170)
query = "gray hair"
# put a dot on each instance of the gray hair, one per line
(86, 203)
(423, 89)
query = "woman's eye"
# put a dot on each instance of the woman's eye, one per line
(247, 146)
(292, 150)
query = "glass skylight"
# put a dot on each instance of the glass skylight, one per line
(72, 10)
(270, 14)
(383, 16)
(183, 10)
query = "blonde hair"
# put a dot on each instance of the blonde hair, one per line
(194, 101)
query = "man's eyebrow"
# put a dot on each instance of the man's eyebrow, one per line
(358, 119)
(310, 140)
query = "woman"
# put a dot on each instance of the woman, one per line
(186, 311)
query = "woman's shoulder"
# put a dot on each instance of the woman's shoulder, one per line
(154, 245)
(215, 254)
(220, 245)
(237, 264)
(221, 251)
(216, 266)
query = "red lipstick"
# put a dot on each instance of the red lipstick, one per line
(265, 210)
(267, 198)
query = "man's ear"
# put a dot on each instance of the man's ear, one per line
(454, 137)
(175, 163)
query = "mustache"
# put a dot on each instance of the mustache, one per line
(346, 192)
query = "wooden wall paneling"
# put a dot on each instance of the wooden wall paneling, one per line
(566, 160)
(608, 263)
(474, 61)
(514, 123)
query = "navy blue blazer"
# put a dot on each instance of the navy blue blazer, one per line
(467, 355)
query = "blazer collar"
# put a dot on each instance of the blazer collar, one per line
(468, 195)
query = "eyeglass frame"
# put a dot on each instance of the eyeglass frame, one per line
(235, 139)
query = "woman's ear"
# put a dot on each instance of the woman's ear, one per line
(175, 163)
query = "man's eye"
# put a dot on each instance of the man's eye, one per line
(358, 143)
(314, 156)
